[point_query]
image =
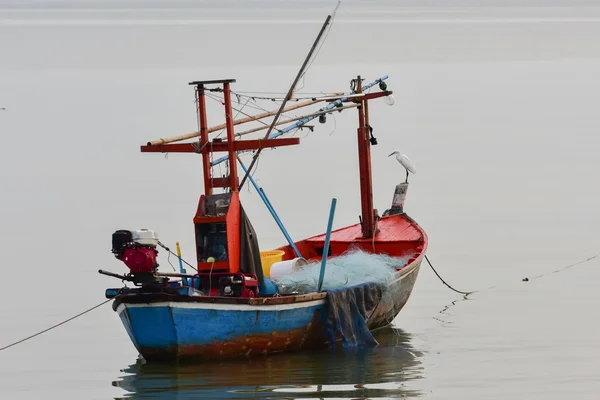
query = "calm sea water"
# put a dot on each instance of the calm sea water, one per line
(496, 104)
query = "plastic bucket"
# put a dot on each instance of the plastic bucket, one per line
(284, 268)
(268, 258)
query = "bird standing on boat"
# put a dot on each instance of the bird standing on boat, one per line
(406, 163)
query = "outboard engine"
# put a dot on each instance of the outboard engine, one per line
(137, 249)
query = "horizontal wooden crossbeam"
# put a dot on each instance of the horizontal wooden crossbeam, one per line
(376, 95)
(222, 182)
(212, 82)
(215, 147)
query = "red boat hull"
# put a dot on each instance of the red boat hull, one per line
(397, 236)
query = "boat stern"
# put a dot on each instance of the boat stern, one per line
(151, 330)
(192, 329)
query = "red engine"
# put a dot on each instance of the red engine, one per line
(140, 259)
(137, 249)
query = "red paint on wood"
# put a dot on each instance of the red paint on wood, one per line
(233, 183)
(391, 229)
(221, 182)
(216, 147)
(364, 162)
(204, 138)
(397, 236)
(233, 232)
(216, 266)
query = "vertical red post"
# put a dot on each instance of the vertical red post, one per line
(233, 176)
(364, 161)
(204, 139)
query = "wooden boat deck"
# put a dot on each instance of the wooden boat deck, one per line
(397, 236)
(389, 229)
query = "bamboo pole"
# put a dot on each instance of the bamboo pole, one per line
(290, 91)
(303, 122)
(236, 122)
(260, 128)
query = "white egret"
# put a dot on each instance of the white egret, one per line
(406, 163)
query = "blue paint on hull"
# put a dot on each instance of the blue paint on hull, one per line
(150, 326)
(168, 331)
(182, 329)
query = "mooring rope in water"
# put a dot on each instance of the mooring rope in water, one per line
(495, 286)
(443, 281)
(524, 279)
(561, 269)
(448, 306)
(59, 324)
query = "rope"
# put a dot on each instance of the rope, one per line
(495, 286)
(374, 233)
(277, 99)
(524, 279)
(219, 100)
(169, 250)
(236, 115)
(170, 263)
(259, 107)
(334, 124)
(268, 98)
(59, 324)
(443, 281)
(561, 269)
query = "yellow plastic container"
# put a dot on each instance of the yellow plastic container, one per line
(268, 258)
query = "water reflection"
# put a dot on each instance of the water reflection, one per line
(382, 372)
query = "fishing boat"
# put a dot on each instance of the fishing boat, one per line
(236, 303)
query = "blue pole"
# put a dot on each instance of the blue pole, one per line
(326, 248)
(265, 200)
(309, 118)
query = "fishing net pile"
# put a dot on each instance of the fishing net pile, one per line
(356, 284)
(351, 269)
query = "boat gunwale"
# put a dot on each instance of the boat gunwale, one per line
(136, 298)
(405, 216)
(160, 297)
(164, 295)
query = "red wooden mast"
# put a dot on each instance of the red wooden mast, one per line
(205, 146)
(364, 162)
(203, 124)
(231, 219)
(212, 226)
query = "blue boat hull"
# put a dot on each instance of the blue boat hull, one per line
(167, 328)
(180, 330)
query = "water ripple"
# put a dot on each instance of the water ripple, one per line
(382, 372)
